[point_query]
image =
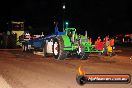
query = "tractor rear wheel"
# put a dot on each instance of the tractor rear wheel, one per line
(58, 48)
(81, 54)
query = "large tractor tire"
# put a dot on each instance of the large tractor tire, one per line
(58, 48)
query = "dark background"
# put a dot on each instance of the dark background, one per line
(97, 16)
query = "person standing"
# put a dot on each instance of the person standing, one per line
(107, 43)
(98, 40)
(112, 43)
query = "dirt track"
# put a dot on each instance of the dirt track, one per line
(25, 70)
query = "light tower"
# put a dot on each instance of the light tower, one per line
(64, 7)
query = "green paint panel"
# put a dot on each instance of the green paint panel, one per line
(66, 40)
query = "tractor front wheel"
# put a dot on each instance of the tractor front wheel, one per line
(81, 54)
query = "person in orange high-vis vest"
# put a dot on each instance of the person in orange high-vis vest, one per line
(98, 40)
(99, 44)
(112, 42)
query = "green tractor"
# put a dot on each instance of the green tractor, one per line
(72, 44)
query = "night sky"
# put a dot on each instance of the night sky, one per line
(96, 16)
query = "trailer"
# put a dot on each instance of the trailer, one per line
(42, 44)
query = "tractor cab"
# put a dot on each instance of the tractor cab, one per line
(71, 33)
